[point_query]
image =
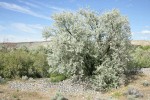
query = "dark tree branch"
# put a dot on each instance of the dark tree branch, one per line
(67, 29)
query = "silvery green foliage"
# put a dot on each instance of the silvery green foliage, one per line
(86, 43)
(134, 93)
(24, 77)
(2, 80)
(146, 83)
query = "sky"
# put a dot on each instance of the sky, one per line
(24, 20)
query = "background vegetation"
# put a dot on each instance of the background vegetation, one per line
(18, 62)
(141, 57)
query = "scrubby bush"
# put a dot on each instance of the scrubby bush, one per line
(2, 80)
(57, 77)
(146, 83)
(59, 96)
(117, 94)
(145, 47)
(24, 78)
(134, 93)
(20, 62)
(141, 56)
(90, 45)
(40, 65)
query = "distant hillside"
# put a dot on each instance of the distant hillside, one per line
(140, 42)
(45, 43)
(26, 44)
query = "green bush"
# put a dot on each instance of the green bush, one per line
(56, 77)
(141, 56)
(145, 47)
(117, 94)
(20, 62)
(2, 81)
(146, 83)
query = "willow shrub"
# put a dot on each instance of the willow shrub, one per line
(20, 62)
(90, 45)
(141, 56)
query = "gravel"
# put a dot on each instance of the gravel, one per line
(65, 86)
(145, 71)
(45, 85)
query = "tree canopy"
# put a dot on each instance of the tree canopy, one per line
(90, 45)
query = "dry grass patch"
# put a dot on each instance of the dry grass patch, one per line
(8, 94)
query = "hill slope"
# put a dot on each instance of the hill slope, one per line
(45, 43)
(140, 42)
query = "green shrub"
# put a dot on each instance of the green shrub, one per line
(54, 74)
(56, 77)
(141, 57)
(146, 83)
(117, 94)
(2, 80)
(145, 47)
(20, 62)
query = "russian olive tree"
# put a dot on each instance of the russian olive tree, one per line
(90, 45)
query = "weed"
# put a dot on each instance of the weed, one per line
(59, 96)
(117, 95)
(146, 83)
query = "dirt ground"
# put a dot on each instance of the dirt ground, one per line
(8, 94)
